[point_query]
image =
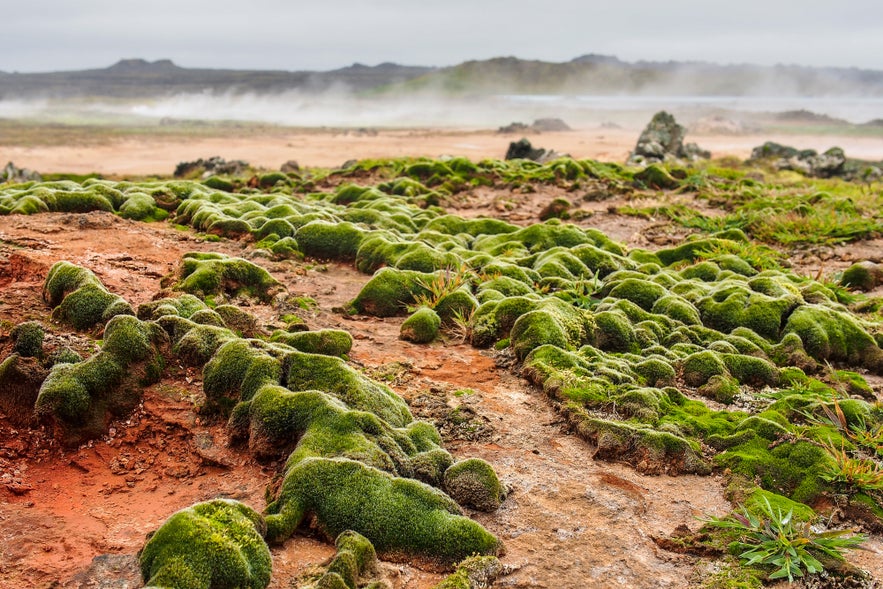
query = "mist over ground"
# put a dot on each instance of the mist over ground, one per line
(339, 108)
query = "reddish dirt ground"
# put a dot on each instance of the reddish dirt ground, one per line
(568, 520)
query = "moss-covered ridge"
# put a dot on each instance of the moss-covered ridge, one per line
(218, 543)
(80, 398)
(78, 297)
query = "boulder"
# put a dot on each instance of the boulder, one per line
(662, 140)
(522, 149)
(12, 173)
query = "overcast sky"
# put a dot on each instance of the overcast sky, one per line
(46, 35)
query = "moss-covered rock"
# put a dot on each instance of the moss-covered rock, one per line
(329, 342)
(829, 334)
(862, 276)
(79, 298)
(28, 339)
(390, 291)
(355, 560)
(475, 572)
(214, 544)
(20, 381)
(473, 483)
(211, 274)
(655, 176)
(421, 327)
(78, 400)
(401, 517)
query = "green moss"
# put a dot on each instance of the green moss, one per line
(235, 372)
(641, 292)
(202, 275)
(655, 372)
(184, 305)
(552, 322)
(80, 399)
(79, 298)
(421, 327)
(751, 370)
(473, 483)
(721, 388)
(335, 241)
(333, 376)
(218, 183)
(654, 176)
(829, 334)
(207, 317)
(213, 544)
(141, 207)
(28, 339)
(699, 367)
(614, 332)
(390, 291)
(354, 560)
(399, 516)
(330, 342)
(198, 343)
(475, 572)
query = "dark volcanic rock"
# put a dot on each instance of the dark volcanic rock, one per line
(11, 173)
(209, 167)
(522, 149)
(832, 163)
(548, 125)
(662, 140)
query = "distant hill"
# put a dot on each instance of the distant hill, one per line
(137, 78)
(588, 74)
(607, 75)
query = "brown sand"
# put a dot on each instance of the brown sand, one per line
(330, 148)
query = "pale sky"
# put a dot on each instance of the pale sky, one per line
(47, 35)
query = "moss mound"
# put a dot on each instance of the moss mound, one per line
(473, 483)
(213, 274)
(78, 297)
(401, 517)
(421, 327)
(28, 339)
(329, 342)
(79, 399)
(218, 543)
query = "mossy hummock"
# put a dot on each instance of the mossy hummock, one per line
(218, 543)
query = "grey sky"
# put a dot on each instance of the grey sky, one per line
(45, 35)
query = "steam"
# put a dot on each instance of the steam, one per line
(340, 108)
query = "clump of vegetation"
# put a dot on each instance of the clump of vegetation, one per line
(774, 540)
(28, 338)
(421, 327)
(206, 274)
(218, 543)
(78, 297)
(79, 399)
(473, 483)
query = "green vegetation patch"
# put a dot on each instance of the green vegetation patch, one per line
(218, 543)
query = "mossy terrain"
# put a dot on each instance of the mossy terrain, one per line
(710, 355)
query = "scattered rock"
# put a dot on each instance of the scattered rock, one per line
(290, 167)
(110, 571)
(209, 167)
(832, 163)
(662, 140)
(522, 149)
(12, 173)
(548, 125)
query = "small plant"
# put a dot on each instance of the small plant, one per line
(865, 474)
(441, 284)
(773, 539)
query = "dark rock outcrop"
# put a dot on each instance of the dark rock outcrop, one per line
(662, 140)
(832, 163)
(212, 166)
(522, 149)
(12, 173)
